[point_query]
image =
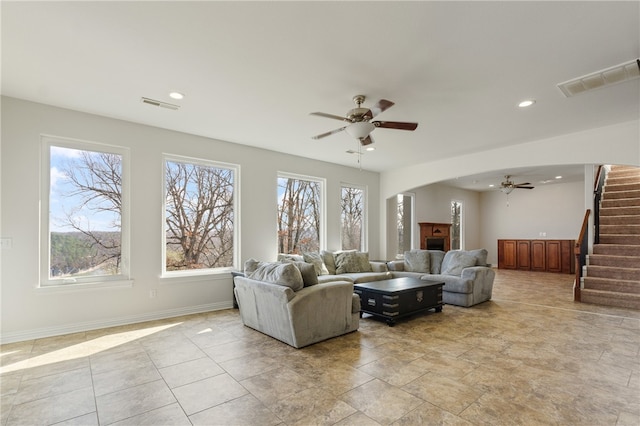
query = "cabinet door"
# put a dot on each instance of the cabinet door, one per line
(507, 254)
(538, 257)
(524, 254)
(554, 256)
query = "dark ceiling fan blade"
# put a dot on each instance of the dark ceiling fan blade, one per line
(381, 106)
(366, 140)
(399, 125)
(324, 135)
(523, 187)
(522, 184)
(335, 117)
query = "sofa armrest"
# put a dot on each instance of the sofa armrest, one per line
(482, 278)
(396, 265)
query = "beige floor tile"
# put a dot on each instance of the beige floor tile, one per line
(231, 350)
(358, 419)
(190, 371)
(313, 406)
(447, 393)
(54, 384)
(175, 353)
(53, 409)
(394, 371)
(428, 414)
(207, 393)
(249, 366)
(90, 419)
(123, 378)
(132, 401)
(246, 410)
(169, 415)
(276, 384)
(381, 402)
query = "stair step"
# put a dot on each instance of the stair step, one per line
(617, 180)
(631, 230)
(620, 220)
(617, 249)
(606, 284)
(619, 239)
(608, 298)
(631, 185)
(613, 260)
(619, 211)
(620, 202)
(613, 272)
(624, 171)
(621, 194)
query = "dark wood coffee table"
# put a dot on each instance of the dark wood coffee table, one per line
(399, 297)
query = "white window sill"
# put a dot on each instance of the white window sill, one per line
(80, 287)
(195, 276)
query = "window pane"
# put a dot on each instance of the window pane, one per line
(85, 210)
(405, 223)
(298, 215)
(199, 216)
(352, 218)
(456, 225)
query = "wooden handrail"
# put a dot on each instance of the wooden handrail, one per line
(580, 251)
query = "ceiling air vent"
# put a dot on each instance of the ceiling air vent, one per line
(617, 74)
(159, 103)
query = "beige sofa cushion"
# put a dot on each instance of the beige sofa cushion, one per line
(316, 260)
(285, 274)
(352, 261)
(455, 261)
(417, 261)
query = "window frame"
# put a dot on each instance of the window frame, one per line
(323, 203)
(235, 168)
(364, 237)
(123, 279)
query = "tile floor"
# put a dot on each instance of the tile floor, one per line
(530, 356)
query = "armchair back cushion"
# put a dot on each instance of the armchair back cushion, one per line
(285, 274)
(455, 261)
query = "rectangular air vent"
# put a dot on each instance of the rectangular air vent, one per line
(160, 104)
(617, 74)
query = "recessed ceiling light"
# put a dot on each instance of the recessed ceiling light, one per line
(526, 103)
(371, 148)
(558, 177)
(491, 185)
(176, 95)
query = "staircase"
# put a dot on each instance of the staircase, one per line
(612, 273)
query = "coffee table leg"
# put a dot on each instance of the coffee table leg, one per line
(391, 322)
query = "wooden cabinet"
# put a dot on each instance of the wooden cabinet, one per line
(435, 236)
(537, 255)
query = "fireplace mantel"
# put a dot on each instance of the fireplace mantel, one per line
(435, 233)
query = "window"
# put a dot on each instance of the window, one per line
(405, 223)
(85, 233)
(300, 214)
(200, 216)
(352, 218)
(456, 225)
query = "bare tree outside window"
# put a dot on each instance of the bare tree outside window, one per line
(456, 225)
(199, 216)
(85, 213)
(352, 218)
(404, 222)
(299, 215)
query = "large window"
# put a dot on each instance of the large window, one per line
(85, 233)
(404, 217)
(300, 214)
(200, 215)
(352, 218)
(456, 225)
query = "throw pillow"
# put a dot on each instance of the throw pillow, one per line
(352, 261)
(480, 255)
(436, 258)
(308, 273)
(316, 260)
(290, 257)
(286, 274)
(457, 261)
(250, 266)
(417, 261)
(329, 261)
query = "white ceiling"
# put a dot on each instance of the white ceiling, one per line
(253, 71)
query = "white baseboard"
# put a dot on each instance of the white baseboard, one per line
(39, 333)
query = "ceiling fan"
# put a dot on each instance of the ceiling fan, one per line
(507, 186)
(360, 125)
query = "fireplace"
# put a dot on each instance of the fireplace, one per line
(434, 243)
(435, 236)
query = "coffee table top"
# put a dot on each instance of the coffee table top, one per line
(397, 285)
